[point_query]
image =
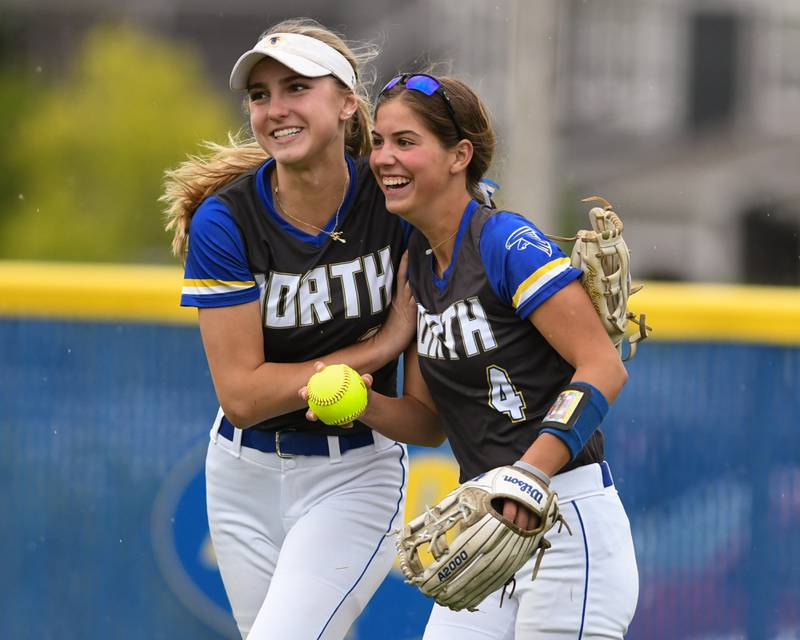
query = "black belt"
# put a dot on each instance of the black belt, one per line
(289, 442)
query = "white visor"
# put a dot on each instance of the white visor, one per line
(305, 55)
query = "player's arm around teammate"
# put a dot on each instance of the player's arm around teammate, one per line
(411, 418)
(252, 389)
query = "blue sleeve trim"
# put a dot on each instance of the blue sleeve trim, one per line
(226, 300)
(575, 415)
(217, 272)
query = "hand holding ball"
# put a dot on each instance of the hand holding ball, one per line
(337, 395)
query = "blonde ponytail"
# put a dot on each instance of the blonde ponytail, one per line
(199, 176)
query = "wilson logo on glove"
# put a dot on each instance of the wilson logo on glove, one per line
(532, 491)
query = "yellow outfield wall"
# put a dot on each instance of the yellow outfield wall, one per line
(111, 292)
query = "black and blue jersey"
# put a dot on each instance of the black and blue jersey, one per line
(492, 375)
(316, 295)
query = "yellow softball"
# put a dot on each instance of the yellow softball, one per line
(337, 394)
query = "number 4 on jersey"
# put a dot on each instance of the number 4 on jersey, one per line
(503, 395)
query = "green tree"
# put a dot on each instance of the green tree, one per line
(16, 97)
(93, 147)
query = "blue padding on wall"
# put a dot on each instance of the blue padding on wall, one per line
(102, 431)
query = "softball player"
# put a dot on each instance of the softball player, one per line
(292, 261)
(512, 357)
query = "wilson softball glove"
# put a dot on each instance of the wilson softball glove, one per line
(486, 550)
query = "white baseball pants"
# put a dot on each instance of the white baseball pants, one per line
(301, 543)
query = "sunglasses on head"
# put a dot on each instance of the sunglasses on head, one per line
(428, 85)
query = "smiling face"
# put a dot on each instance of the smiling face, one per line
(411, 165)
(297, 119)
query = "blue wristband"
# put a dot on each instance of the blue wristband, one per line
(573, 417)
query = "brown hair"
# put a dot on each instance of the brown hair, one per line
(471, 115)
(199, 176)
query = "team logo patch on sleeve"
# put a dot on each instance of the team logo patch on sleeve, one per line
(564, 407)
(525, 237)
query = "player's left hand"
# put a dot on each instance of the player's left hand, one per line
(517, 513)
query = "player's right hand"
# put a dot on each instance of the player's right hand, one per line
(401, 324)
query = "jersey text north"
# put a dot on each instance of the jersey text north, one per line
(462, 330)
(292, 299)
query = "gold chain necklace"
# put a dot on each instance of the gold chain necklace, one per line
(439, 244)
(335, 235)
